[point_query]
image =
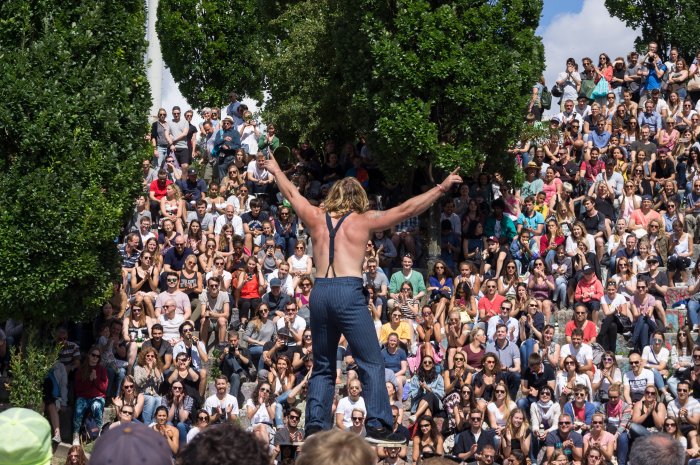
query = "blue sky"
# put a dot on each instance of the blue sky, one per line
(555, 7)
(579, 28)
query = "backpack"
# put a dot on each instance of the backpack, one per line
(91, 429)
(546, 99)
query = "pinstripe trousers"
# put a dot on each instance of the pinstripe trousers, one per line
(339, 306)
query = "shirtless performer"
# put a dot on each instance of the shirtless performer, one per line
(340, 231)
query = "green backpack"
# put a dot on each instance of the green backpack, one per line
(546, 98)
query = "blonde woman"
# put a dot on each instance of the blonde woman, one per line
(173, 207)
(499, 408)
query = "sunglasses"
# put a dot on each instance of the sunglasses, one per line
(128, 412)
(360, 419)
(294, 417)
(264, 390)
(564, 423)
(203, 418)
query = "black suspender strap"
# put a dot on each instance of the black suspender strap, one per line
(331, 233)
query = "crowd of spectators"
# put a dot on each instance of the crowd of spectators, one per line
(217, 274)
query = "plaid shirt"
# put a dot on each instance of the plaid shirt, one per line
(408, 225)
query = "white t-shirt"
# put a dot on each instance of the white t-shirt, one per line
(604, 383)
(235, 222)
(637, 384)
(583, 355)
(346, 406)
(299, 325)
(213, 402)
(693, 406)
(650, 356)
(500, 417)
(618, 300)
(261, 414)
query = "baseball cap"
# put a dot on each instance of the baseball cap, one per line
(652, 259)
(26, 438)
(131, 443)
(227, 118)
(275, 282)
(588, 269)
(646, 197)
(492, 239)
(284, 332)
(191, 171)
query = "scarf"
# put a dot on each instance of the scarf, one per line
(546, 410)
(614, 411)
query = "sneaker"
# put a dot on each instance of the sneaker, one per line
(668, 397)
(56, 438)
(312, 429)
(76, 440)
(383, 436)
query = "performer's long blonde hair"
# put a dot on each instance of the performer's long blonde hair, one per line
(346, 195)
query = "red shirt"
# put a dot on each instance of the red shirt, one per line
(589, 330)
(156, 189)
(491, 308)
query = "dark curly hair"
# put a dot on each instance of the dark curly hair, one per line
(224, 443)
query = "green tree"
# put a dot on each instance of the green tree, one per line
(670, 23)
(74, 100)
(426, 81)
(213, 47)
(451, 79)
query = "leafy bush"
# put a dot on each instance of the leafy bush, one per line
(29, 368)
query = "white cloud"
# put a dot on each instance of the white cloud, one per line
(587, 33)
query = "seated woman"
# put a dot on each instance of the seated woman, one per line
(131, 396)
(606, 374)
(398, 326)
(429, 335)
(427, 389)
(260, 410)
(681, 358)
(549, 349)
(259, 332)
(90, 388)
(457, 334)
(441, 288)
(474, 350)
(580, 409)
(682, 254)
(508, 280)
(516, 436)
(613, 307)
(168, 431)
(655, 357)
(647, 413)
(486, 380)
(148, 377)
(395, 359)
(568, 379)
(458, 405)
(281, 378)
(464, 302)
(428, 441)
(541, 287)
(179, 406)
(618, 414)
(135, 330)
(499, 408)
(643, 307)
(544, 418)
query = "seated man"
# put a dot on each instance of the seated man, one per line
(581, 351)
(509, 356)
(580, 407)
(234, 362)
(564, 438)
(215, 312)
(474, 440)
(196, 352)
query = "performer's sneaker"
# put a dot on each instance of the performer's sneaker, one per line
(383, 436)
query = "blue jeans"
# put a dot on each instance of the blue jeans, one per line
(256, 355)
(224, 164)
(183, 429)
(658, 379)
(560, 291)
(339, 306)
(82, 405)
(643, 329)
(694, 312)
(150, 403)
(115, 376)
(623, 447)
(526, 349)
